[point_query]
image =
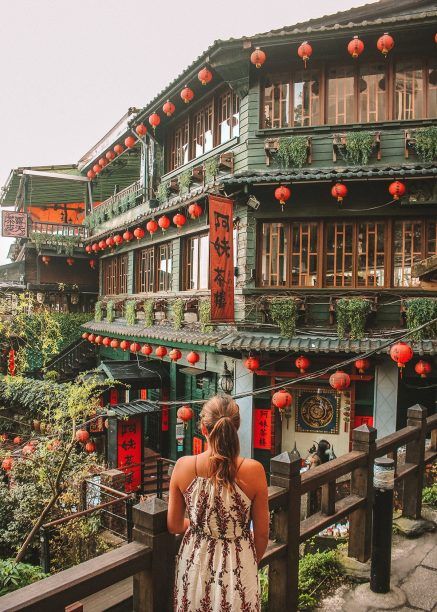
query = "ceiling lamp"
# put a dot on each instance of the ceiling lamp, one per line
(339, 191)
(282, 194)
(355, 47)
(187, 94)
(385, 44)
(396, 189)
(168, 108)
(205, 76)
(258, 57)
(304, 52)
(226, 380)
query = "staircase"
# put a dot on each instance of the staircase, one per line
(77, 357)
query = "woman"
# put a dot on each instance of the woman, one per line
(322, 454)
(216, 568)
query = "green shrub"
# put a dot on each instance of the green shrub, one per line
(14, 576)
(177, 311)
(284, 313)
(351, 316)
(149, 309)
(315, 570)
(110, 311)
(429, 496)
(205, 316)
(425, 143)
(359, 147)
(419, 312)
(292, 152)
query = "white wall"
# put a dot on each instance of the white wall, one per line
(386, 397)
(244, 382)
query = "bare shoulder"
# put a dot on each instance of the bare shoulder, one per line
(250, 468)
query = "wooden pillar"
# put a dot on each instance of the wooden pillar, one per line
(284, 571)
(415, 454)
(360, 521)
(153, 588)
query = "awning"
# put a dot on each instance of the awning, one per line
(151, 375)
(193, 372)
(132, 408)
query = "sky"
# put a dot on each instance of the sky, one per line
(70, 70)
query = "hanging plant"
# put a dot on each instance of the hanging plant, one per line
(110, 311)
(130, 312)
(351, 316)
(98, 312)
(163, 192)
(358, 148)
(149, 309)
(205, 316)
(184, 181)
(177, 311)
(211, 168)
(292, 151)
(425, 143)
(283, 312)
(420, 311)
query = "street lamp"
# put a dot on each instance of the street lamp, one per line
(226, 380)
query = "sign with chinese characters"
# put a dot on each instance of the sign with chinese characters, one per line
(129, 440)
(262, 428)
(221, 258)
(197, 445)
(14, 224)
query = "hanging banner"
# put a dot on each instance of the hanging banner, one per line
(221, 258)
(129, 440)
(14, 224)
(262, 429)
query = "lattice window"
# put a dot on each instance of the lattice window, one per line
(114, 275)
(274, 255)
(341, 95)
(371, 254)
(339, 255)
(372, 87)
(304, 254)
(145, 270)
(408, 91)
(164, 259)
(196, 263)
(407, 249)
(306, 98)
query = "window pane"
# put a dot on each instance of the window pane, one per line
(235, 115)
(339, 254)
(304, 254)
(373, 93)
(340, 95)
(306, 109)
(431, 247)
(407, 251)
(164, 270)
(276, 104)
(432, 89)
(145, 263)
(202, 131)
(274, 255)
(371, 255)
(408, 91)
(203, 262)
(179, 146)
(228, 116)
(196, 273)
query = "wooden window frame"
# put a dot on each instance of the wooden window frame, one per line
(187, 264)
(154, 250)
(114, 274)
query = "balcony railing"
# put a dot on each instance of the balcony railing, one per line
(115, 205)
(59, 229)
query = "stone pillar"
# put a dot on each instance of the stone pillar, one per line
(386, 398)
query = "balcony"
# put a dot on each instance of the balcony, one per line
(58, 229)
(118, 204)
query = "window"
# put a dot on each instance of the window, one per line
(372, 87)
(277, 104)
(202, 131)
(153, 269)
(408, 90)
(304, 254)
(339, 255)
(114, 275)
(228, 117)
(341, 95)
(432, 89)
(196, 263)
(407, 251)
(371, 254)
(306, 104)
(179, 145)
(280, 110)
(274, 255)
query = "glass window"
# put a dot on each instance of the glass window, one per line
(339, 255)
(276, 104)
(164, 267)
(196, 269)
(202, 131)
(407, 249)
(179, 146)
(274, 255)
(114, 275)
(341, 95)
(228, 116)
(145, 270)
(371, 254)
(306, 103)
(304, 254)
(431, 246)
(408, 91)
(432, 89)
(372, 86)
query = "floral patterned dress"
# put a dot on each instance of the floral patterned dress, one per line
(216, 567)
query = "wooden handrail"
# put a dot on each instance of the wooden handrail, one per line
(325, 473)
(393, 441)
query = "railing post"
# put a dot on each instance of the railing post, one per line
(360, 521)
(83, 495)
(415, 454)
(284, 571)
(129, 502)
(44, 550)
(159, 477)
(153, 588)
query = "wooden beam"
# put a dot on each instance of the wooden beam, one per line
(57, 175)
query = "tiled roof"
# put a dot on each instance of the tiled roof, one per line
(246, 341)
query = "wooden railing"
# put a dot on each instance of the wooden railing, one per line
(59, 229)
(134, 191)
(150, 557)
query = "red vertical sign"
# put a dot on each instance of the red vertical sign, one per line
(262, 429)
(129, 441)
(221, 258)
(164, 410)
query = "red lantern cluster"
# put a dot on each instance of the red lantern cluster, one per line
(127, 236)
(118, 149)
(161, 352)
(106, 341)
(340, 380)
(305, 51)
(175, 354)
(146, 350)
(124, 345)
(154, 120)
(152, 226)
(258, 57)
(114, 343)
(135, 347)
(164, 223)
(110, 242)
(130, 142)
(193, 357)
(302, 363)
(110, 155)
(179, 220)
(195, 211)
(141, 129)
(118, 239)
(139, 233)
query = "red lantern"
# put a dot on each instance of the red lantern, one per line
(124, 345)
(146, 349)
(164, 223)
(70, 261)
(152, 226)
(396, 190)
(423, 368)
(114, 343)
(355, 47)
(135, 347)
(92, 264)
(127, 236)
(82, 436)
(103, 162)
(139, 233)
(205, 76)
(85, 335)
(195, 211)
(175, 354)
(193, 357)
(118, 239)
(95, 247)
(161, 351)
(102, 245)
(110, 242)
(252, 363)
(7, 464)
(179, 220)
(340, 380)
(187, 94)
(154, 120)
(385, 44)
(305, 51)
(130, 142)
(97, 169)
(88, 248)
(110, 155)
(106, 341)
(302, 363)
(90, 447)
(282, 194)
(91, 338)
(281, 400)
(185, 414)
(168, 108)
(141, 129)
(339, 191)
(45, 259)
(91, 174)
(362, 365)
(17, 440)
(118, 149)
(402, 353)
(258, 57)
(98, 340)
